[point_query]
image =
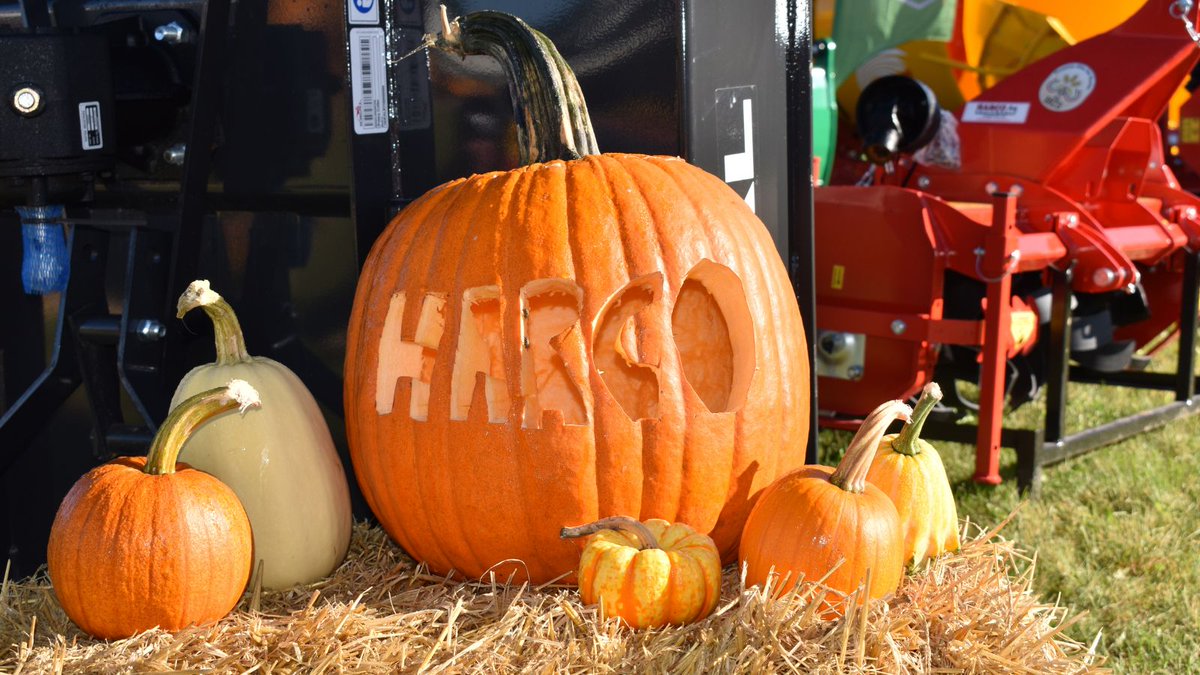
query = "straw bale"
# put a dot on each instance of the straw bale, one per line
(382, 613)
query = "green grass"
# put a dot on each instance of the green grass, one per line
(1116, 531)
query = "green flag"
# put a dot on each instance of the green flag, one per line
(863, 27)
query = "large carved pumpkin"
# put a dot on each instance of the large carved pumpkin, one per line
(584, 336)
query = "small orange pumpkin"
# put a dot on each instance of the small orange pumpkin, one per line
(142, 542)
(648, 574)
(818, 523)
(910, 472)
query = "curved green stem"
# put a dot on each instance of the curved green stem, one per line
(548, 106)
(622, 523)
(187, 416)
(851, 472)
(231, 345)
(906, 442)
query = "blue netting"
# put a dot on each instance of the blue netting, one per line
(46, 262)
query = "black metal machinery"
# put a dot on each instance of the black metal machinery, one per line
(264, 145)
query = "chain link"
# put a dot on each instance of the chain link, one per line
(1180, 9)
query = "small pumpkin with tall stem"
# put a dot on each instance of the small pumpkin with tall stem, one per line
(829, 525)
(909, 471)
(145, 542)
(280, 460)
(650, 573)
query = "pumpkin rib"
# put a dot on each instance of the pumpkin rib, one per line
(124, 549)
(437, 515)
(608, 165)
(686, 572)
(451, 242)
(695, 470)
(418, 256)
(608, 452)
(655, 489)
(183, 527)
(360, 352)
(841, 507)
(577, 195)
(611, 173)
(777, 301)
(562, 479)
(140, 584)
(518, 497)
(459, 218)
(772, 297)
(80, 566)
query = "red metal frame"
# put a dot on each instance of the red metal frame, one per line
(1084, 187)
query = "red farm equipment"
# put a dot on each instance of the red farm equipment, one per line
(1063, 236)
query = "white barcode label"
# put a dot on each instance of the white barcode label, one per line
(89, 125)
(368, 80)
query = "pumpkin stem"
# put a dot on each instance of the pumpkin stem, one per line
(906, 441)
(851, 472)
(231, 346)
(187, 416)
(623, 523)
(551, 115)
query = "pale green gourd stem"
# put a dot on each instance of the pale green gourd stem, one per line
(851, 472)
(622, 523)
(231, 345)
(905, 442)
(187, 416)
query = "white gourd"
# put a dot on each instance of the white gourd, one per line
(280, 459)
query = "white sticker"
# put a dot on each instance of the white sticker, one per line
(368, 81)
(999, 112)
(89, 125)
(362, 11)
(1067, 87)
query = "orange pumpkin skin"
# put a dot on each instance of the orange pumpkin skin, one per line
(803, 525)
(677, 582)
(812, 518)
(467, 494)
(122, 561)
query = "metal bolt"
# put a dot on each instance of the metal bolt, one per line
(175, 154)
(898, 327)
(854, 372)
(150, 330)
(991, 188)
(1017, 190)
(27, 100)
(1103, 276)
(172, 33)
(1131, 289)
(923, 182)
(1072, 220)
